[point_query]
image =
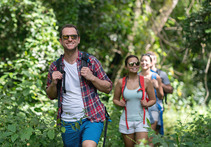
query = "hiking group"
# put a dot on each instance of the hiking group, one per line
(74, 80)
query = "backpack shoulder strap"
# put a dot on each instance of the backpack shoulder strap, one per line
(154, 75)
(124, 82)
(85, 59)
(141, 83)
(59, 84)
(58, 64)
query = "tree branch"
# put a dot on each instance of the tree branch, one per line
(205, 78)
(191, 5)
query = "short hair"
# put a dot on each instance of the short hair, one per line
(149, 55)
(130, 56)
(153, 54)
(68, 26)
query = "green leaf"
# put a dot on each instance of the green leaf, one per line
(5, 134)
(148, 122)
(14, 137)
(51, 134)
(63, 129)
(26, 134)
(77, 125)
(26, 92)
(12, 128)
(73, 127)
(23, 136)
(208, 31)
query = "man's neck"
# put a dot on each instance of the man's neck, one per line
(71, 56)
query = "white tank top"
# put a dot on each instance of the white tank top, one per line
(73, 106)
(133, 105)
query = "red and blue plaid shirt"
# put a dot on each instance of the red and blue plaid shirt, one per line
(94, 109)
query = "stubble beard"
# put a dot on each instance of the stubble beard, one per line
(72, 50)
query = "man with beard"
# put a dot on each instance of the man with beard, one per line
(81, 111)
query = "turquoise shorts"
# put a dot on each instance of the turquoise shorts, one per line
(77, 132)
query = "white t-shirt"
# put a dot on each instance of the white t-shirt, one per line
(73, 106)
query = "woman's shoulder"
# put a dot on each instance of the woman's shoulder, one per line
(155, 75)
(119, 81)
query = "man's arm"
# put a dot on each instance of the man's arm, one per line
(167, 88)
(52, 91)
(166, 83)
(52, 88)
(159, 89)
(101, 85)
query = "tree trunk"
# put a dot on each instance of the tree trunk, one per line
(130, 37)
(161, 19)
(205, 78)
(157, 26)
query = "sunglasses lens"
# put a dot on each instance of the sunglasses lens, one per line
(134, 63)
(73, 37)
(65, 37)
(131, 64)
(137, 63)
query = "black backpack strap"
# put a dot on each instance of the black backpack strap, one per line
(85, 59)
(59, 84)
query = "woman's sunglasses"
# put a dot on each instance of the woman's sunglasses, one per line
(131, 64)
(73, 37)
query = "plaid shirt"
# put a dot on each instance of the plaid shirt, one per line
(94, 109)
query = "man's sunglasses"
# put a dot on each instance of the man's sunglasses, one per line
(131, 64)
(73, 37)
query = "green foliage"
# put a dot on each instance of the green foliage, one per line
(197, 30)
(27, 116)
(113, 138)
(191, 129)
(29, 43)
(22, 125)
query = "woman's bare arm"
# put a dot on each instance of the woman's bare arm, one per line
(117, 94)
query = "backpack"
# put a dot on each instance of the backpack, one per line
(141, 84)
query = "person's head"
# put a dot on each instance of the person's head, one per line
(146, 61)
(132, 63)
(69, 37)
(153, 56)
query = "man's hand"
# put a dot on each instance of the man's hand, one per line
(56, 75)
(52, 89)
(87, 73)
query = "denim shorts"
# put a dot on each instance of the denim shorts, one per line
(79, 131)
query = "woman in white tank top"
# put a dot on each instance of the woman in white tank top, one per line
(132, 124)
